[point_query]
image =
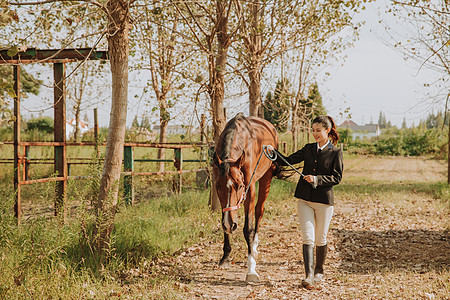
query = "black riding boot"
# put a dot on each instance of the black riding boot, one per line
(308, 259)
(321, 254)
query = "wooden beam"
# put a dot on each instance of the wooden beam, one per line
(33, 55)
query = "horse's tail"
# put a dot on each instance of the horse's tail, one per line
(283, 172)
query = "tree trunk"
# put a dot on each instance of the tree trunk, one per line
(162, 139)
(254, 72)
(295, 128)
(216, 87)
(217, 68)
(76, 133)
(118, 47)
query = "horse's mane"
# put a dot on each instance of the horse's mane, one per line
(227, 137)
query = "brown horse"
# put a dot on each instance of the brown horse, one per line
(238, 156)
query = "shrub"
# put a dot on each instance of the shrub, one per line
(44, 124)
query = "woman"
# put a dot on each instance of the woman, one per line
(323, 167)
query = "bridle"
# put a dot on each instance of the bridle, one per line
(272, 155)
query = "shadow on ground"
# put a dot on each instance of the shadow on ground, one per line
(420, 251)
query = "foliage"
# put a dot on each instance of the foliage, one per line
(44, 124)
(29, 84)
(425, 39)
(408, 142)
(315, 101)
(276, 106)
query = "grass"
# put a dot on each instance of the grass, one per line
(42, 259)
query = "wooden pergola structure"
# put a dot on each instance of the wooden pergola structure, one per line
(58, 58)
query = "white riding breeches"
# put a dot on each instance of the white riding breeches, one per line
(314, 221)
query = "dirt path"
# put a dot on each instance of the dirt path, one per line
(388, 239)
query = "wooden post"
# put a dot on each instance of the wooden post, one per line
(202, 135)
(96, 133)
(60, 136)
(128, 166)
(178, 163)
(17, 202)
(27, 163)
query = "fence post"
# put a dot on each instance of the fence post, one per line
(97, 153)
(128, 166)
(178, 163)
(60, 136)
(27, 162)
(17, 202)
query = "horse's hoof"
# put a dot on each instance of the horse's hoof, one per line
(224, 263)
(252, 278)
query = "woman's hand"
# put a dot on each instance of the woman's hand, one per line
(309, 178)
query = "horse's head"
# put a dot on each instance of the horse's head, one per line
(230, 188)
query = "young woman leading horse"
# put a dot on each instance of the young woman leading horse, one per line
(323, 168)
(237, 164)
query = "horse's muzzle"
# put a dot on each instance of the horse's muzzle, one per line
(228, 224)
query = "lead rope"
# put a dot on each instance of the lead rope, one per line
(274, 156)
(271, 156)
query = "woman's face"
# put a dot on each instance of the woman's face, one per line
(320, 133)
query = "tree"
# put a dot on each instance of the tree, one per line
(382, 123)
(320, 36)
(29, 84)
(163, 53)
(314, 102)
(118, 46)
(276, 106)
(209, 25)
(427, 41)
(404, 126)
(427, 35)
(210, 31)
(258, 33)
(83, 92)
(64, 17)
(135, 122)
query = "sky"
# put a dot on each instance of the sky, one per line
(373, 78)
(376, 78)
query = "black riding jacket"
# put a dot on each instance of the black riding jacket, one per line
(326, 164)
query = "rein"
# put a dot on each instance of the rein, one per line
(271, 156)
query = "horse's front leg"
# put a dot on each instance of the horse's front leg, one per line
(251, 237)
(226, 248)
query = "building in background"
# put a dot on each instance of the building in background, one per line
(361, 132)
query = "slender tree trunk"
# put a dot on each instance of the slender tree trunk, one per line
(254, 72)
(255, 88)
(76, 133)
(217, 68)
(162, 139)
(216, 87)
(118, 47)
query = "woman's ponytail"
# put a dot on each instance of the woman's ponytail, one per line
(334, 135)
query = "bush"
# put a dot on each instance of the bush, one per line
(411, 142)
(44, 124)
(389, 146)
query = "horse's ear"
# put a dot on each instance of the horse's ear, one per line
(216, 159)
